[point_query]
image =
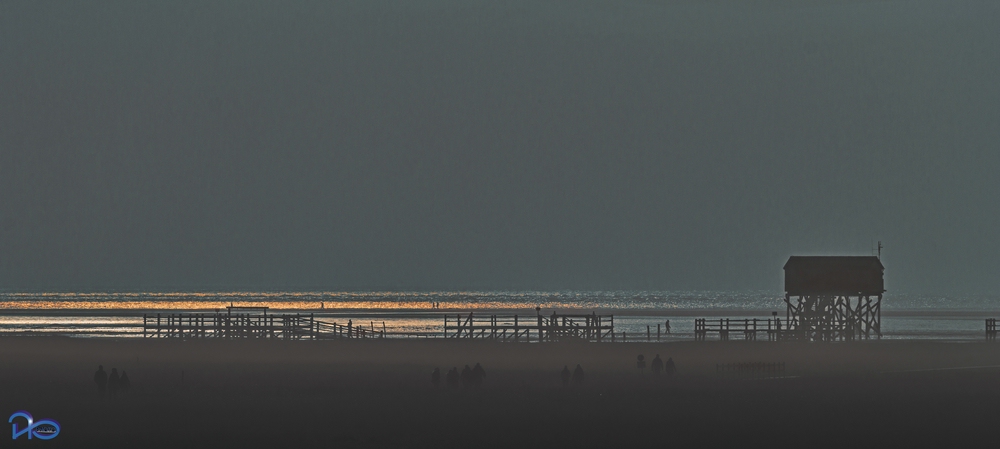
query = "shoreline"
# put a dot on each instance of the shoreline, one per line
(948, 325)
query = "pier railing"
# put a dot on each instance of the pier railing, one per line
(251, 325)
(747, 328)
(529, 328)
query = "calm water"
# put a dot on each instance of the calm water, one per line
(120, 314)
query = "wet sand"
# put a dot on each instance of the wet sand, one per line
(378, 394)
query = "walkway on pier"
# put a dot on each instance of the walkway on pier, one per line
(747, 327)
(251, 322)
(537, 328)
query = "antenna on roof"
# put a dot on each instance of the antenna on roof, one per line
(879, 250)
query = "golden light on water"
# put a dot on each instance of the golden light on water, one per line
(386, 300)
(295, 305)
(284, 300)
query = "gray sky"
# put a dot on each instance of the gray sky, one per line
(536, 144)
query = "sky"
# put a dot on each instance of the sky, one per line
(501, 144)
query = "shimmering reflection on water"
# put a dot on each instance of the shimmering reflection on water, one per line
(71, 325)
(392, 300)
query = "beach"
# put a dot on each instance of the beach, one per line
(377, 393)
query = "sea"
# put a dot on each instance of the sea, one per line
(639, 314)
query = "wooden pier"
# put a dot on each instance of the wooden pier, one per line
(991, 329)
(251, 322)
(536, 328)
(748, 328)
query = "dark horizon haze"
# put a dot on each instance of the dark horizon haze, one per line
(540, 145)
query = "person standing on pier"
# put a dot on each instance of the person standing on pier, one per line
(101, 379)
(565, 375)
(578, 375)
(670, 368)
(452, 378)
(640, 362)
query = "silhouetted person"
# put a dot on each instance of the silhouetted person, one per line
(436, 377)
(101, 379)
(113, 383)
(124, 383)
(640, 362)
(668, 326)
(578, 375)
(565, 375)
(452, 378)
(466, 376)
(670, 368)
(478, 374)
(657, 366)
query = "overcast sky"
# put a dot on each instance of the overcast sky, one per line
(538, 144)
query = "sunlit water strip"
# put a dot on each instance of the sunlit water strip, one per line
(422, 313)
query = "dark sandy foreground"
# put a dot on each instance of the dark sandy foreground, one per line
(378, 394)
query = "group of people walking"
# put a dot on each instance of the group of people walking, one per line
(110, 385)
(468, 377)
(657, 366)
(576, 376)
(473, 377)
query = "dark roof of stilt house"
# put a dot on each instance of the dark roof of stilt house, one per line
(834, 275)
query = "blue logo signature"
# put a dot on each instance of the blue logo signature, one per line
(45, 429)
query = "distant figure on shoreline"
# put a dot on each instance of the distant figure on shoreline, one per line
(565, 375)
(101, 379)
(668, 326)
(452, 378)
(436, 377)
(657, 366)
(640, 362)
(322, 305)
(124, 383)
(578, 375)
(670, 367)
(113, 380)
(478, 374)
